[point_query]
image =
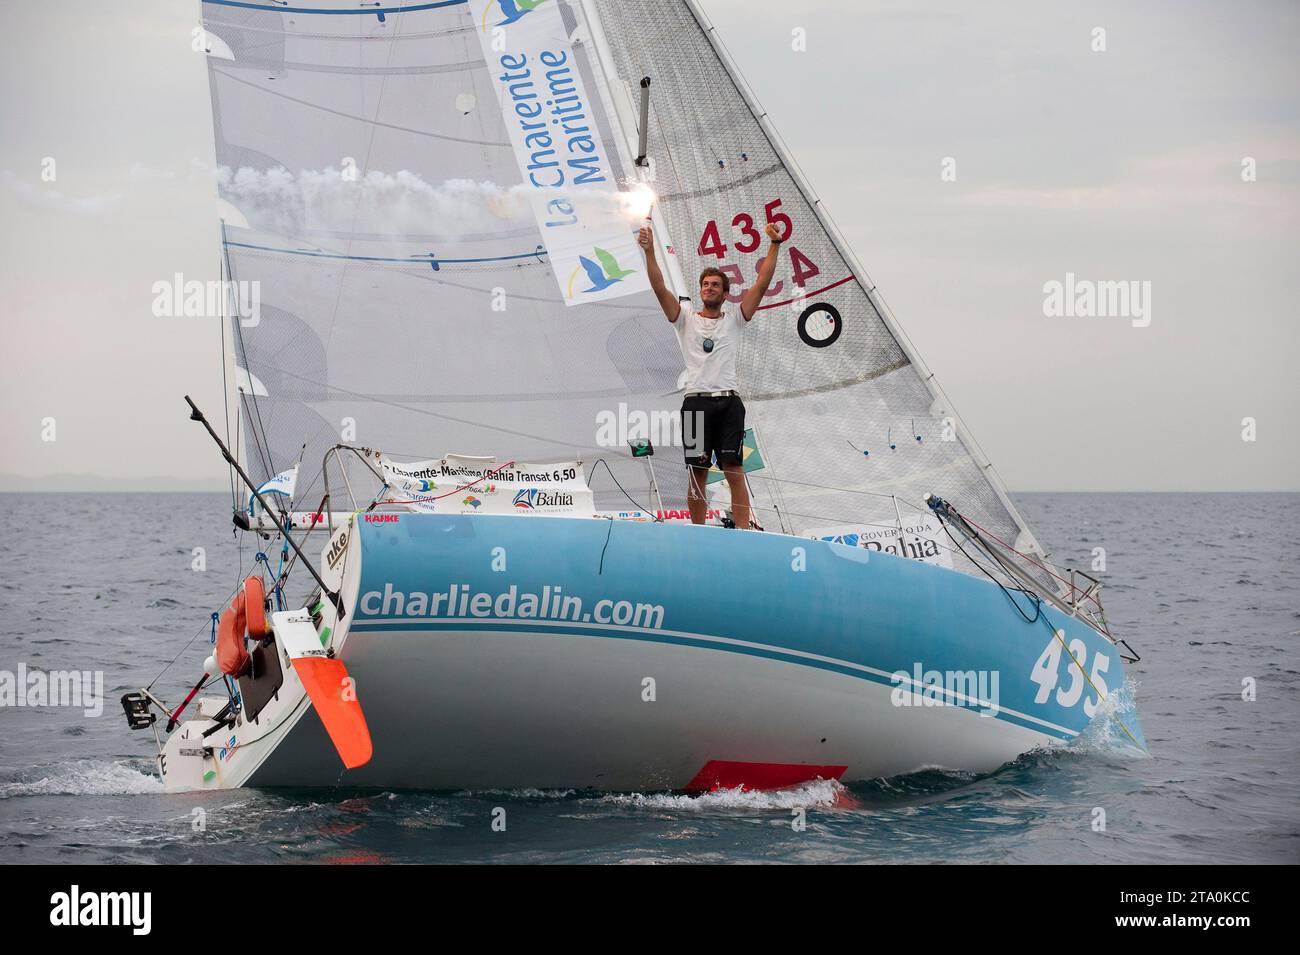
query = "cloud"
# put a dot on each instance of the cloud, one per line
(46, 198)
(1185, 181)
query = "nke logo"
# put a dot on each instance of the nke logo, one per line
(337, 547)
(103, 908)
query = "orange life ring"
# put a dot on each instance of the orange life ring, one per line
(255, 607)
(232, 655)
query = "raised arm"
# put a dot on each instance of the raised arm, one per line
(667, 300)
(749, 304)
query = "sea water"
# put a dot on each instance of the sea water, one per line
(1204, 586)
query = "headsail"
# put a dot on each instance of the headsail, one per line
(847, 416)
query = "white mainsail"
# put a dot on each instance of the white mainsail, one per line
(409, 304)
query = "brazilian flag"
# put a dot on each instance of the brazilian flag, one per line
(750, 459)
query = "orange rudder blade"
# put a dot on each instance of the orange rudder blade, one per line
(324, 679)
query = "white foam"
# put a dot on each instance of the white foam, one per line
(84, 777)
(1107, 731)
(819, 792)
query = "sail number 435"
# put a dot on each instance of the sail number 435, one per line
(1047, 674)
(747, 238)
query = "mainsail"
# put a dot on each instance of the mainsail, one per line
(409, 301)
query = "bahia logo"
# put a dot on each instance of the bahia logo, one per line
(473, 502)
(531, 498)
(603, 273)
(513, 10)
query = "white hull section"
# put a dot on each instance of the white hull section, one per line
(487, 709)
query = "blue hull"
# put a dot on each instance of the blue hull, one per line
(528, 651)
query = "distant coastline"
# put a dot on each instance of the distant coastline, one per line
(99, 484)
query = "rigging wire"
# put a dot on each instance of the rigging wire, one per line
(610, 471)
(225, 394)
(206, 627)
(238, 328)
(1034, 598)
(1045, 569)
(263, 455)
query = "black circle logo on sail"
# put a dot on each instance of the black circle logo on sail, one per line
(820, 325)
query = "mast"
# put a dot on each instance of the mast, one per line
(625, 111)
(229, 379)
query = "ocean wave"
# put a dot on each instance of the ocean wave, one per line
(84, 777)
(524, 793)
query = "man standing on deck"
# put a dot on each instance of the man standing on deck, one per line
(713, 416)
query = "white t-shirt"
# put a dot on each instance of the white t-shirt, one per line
(712, 370)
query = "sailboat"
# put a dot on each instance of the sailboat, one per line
(451, 403)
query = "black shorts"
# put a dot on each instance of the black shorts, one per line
(713, 426)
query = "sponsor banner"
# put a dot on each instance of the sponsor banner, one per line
(570, 502)
(459, 484)
(641, 517)
(414, 477)
(567, 177)
(463, 468)
(923, 538)
(413, 483)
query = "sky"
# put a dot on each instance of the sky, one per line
(1122, 164)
